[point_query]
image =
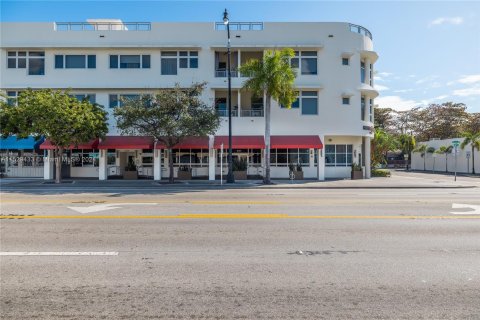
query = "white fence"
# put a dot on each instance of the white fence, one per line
(442, 163)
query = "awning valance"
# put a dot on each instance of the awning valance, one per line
(126, 142)
(301, 142)
(92, 144)
(12, 143)
(188, 143)
(240, 142)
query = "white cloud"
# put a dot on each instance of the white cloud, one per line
(473, 91)
(379, 87)
(403, 90)
(474, 78)
(385, 74)
(426, 79)
(441, 97)
(395, 102)
(446, 20)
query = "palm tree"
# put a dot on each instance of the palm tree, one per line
(423, 150)
(474, 139)
(407, 144)
(273, 77)
(445, 150)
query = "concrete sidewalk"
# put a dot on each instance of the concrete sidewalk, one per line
(398, 180)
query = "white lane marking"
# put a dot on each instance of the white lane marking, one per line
(107, 206)
(476, 208)
(26, 253)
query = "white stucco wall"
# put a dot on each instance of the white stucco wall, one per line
(440, 161)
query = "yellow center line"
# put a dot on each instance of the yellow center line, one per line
(233, 216)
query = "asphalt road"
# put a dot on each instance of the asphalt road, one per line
(241, 254)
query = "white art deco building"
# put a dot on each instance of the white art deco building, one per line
(327, 129)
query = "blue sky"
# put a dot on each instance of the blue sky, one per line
(429, 50)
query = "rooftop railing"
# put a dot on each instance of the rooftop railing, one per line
(103, 26)
(362, 30)
(240, 26)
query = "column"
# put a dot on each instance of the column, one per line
(211, 159)
(102, 165)
(239, 101)
(367, 71)
(48, 165)
(157, 164)
(321, 161)
(238, 62)
(367, 158)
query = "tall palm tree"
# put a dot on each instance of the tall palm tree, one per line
(445, 150)
(422, 149)
(407, 144)
(273, 77)
(474, 139)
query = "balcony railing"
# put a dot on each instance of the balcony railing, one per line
(224, 113)
(103, 26)
(251, 113)
(240, 26)
(359, 29)
(223, 73)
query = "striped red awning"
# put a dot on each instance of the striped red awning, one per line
(188, 143)
(126, 142)
(291, 142)
(92, 144)
(240, 142)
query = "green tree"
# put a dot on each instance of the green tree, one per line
(472, 138)
(407, 144)
(381, 143)
(445, 150)
(422, 149)
(273, 77)
(57, 116)
(169, 116)
(383, 118)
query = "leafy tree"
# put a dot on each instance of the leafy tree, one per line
(407, 144)
(57, 116)
(445, 150)
(382, 142)
(274, 77)
(384, 118)
(473, 123)
(169, 116)
(422, 149)
(474, 139)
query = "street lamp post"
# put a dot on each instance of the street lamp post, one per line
(230, 178)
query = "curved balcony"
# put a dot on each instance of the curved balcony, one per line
(362, 30)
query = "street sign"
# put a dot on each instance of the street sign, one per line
(468, 154)
(455, 143)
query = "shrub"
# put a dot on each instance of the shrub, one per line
(380, 173)
(239, 165)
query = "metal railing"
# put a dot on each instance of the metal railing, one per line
(224, 113)
(362, 30)
(240, 26)
(103, 26)
(223, 73)
(251, 113)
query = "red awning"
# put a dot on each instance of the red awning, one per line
(126, 142)
(290, 142)
(92, 144)
(240, 142)
(188, 143)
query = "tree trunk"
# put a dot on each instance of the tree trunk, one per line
(446, 162)
(58, 165)
(424, 160)
(266, 178)
(170, 165)
(473, 158)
